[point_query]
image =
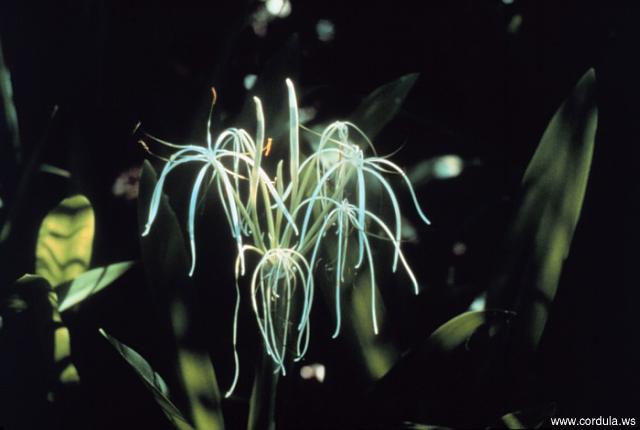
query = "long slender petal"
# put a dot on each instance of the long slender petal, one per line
(191, 217)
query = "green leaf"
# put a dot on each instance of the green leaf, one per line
(553, 190)
(445, 374)
(26, 338)
(262, 404)
(375, 353)
(9, 108)
(89, 283)
(65, 241)
(382, 105)
(512, 422)
(529, 418)
(165, 263)
(458, 330)
(270, 88)
(152, 381)
(38, 344)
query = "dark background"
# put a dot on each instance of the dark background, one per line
(486, 91)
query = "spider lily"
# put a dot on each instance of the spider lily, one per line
(276, 279)
(212, 159)
(283, 276)
(278, 274)
(347, 160)
(344, 217)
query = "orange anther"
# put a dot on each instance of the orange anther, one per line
(214, 96)
(267, 148)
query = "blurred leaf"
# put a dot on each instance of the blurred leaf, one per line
(512, 422)
(26, 339)
(152, 381)
(373, 354)
(89, 283)
(9, 108)
(65, 241)
(14, 222)
(553, 190)
(271, 89)
(417, 426)
(382, 105)
(165, 262)
(529, 418)
(446, 374)
(376, 353)
(459, 331)
(37, 349)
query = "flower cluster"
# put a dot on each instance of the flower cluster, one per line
(284, 220)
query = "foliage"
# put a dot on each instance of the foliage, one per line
(311, 235)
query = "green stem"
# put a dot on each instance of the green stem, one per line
(273, 239)
(262, 406)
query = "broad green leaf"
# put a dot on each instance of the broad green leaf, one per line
(89, 283)
(382, 105)
(65, 241)
(445, 374)
(376, 110)
(553, 190)
(457, 330)
(166, 262)
(152, 381)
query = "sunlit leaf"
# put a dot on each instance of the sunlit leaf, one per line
(457, 331)
(152, 381)
(65, 241)
(553, 190)
(62, 346)
(512, 422)
(165, 262)
(89, 283)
